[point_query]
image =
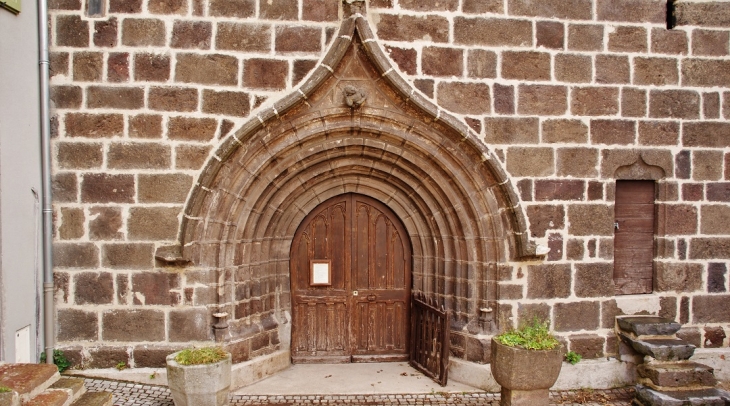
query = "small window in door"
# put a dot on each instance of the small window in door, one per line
(633, 246)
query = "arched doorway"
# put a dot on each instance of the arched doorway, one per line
(350, 283)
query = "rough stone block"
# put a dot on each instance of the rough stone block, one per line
(711, 104)
(612, 69)
(504, 99)
(564, 131)
(714, 337)
(639, 11)
(75, 255)
(680, 219)
(140, 32)
(210, 69)
(125, 6)
(320, 10)
(613, 132)
(77, 155)
(106, 357)
(662, 349)
(243, 37)
(707, 165)
(77, 325)
(93, 288)
(127, 256)
(715, 219)
(191, 129)
(590, 219)
(528, 65)
(163, 188)
(297, 39)
(490, 32)
(128, 98)
(705, 134)
(192, 34)
(628, 39)
(153, 223)
(572, 10)
(547, 190)
(232, 8)
(66, 97)
(585, 37)
(658, 133)
(527, 161)
(594, 280)
(72, 31)
(265, 73)
(405, 58)
(716, 277)
(656, 71)
(677, 375)
(664, 41)
(545, 217)
(710, 42)
(589, 346)
(167, 7)
(542, 100)
(72, 223)
(594, 101)
(706, 72)
(576, 316)
(88, 66)
(133, 325)
(105, 33)
(65, 188)
(464, 98)
(187, 325)
(440, 61)
(548, 281)
(94, 125)
(226, 103)
(674, 104)
(129, 155)
(118, 67)
(151, 67)
(173, 99)
(550, 34)
(191, 156)
(482, 6)
(105, 223)
(573, 68)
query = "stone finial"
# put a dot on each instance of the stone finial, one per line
(354, 97)
(352, 7)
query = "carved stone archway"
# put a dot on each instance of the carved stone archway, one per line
(354, 126)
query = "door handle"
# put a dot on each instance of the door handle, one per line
(354, 293)
(371, 298)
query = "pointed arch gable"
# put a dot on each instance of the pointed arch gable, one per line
(354, 126)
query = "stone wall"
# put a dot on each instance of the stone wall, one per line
(568, 94)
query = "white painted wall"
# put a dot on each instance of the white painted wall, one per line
(20, 226)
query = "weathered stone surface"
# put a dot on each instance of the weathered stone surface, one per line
(191, 156)
(94, 125)
(571, 9)
(545, 217)
(93, 288)
(656, 71)
(711, 309)
(118, 67)
(674, 103)
(125, 6)
(527, 161)
(464, 98)
(482, 6)
(585, 37)
(710, 42)
(405, 58)
(77, 155)
(665, 41)
(211, 69)
(613, 131)
(648, 325)
(594, 280)
(65, 187)
(716, 277)
(153, 223)
(672, 375)
(706, 72)
(658, 133)
(639, 11)
(129, 155)
(589, 346)
(105, 223)
(192, 35)
(542, 100)
(680, 220)
(302, 68)
(504, 99)
(265, 73)
(528, 65)
(133, 325)
(66, 97)
(548, 281)
(320, 10)
(103, 188)
(573, 68)
(77, 325)
(232, 8)
(72, 223)
(72, 31)
(550, 34)
(226, 103)
(491, 32)
(627, 39)
(711, 105)
(75, 255)
(147, 356)
(151, 67)
(707, 165)
(392, 27)
(173, 99)
(564, 131)
(612, 69)
(714, 337)
(546, 190)
(576, 316)
(297, 39)
(705, 397)
(705, 134)
(115, 97)
(191, 129)
(594, 101)
(163, 188)
(705, 13)
(441, 61)
(127, 256)
(140, 32)
(715, 219)
(189, 325)
(662, 349)
(590, 219)
(106, 357)
(243, 37)
(709, 248)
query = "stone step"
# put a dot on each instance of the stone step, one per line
(9, 399)
(28, 380)
(74, 386)
(702, 397)
(662, 349)
(50, 397)
(648, 325)
(659, 375)
(94, 399)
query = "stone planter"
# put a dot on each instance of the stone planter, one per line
(525, 375)
(199, 385)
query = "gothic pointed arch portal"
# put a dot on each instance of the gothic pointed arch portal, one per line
(355, 126)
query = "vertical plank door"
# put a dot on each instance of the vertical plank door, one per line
(633, 269)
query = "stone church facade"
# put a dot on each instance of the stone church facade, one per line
(193, 137)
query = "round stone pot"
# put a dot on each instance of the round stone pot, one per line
(199, 385)
(525, 375)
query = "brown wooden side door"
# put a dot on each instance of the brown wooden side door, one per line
(633, 268)
(362, 315)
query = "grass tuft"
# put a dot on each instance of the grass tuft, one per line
(533, 336)
(4, 389)
(197, 356)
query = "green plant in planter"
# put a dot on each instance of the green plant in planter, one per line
(203, 355)
(533, 336)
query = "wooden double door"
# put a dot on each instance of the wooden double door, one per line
(350, 281)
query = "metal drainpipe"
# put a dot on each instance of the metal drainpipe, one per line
(45, 117)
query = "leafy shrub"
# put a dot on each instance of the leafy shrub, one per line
(59, 359)
(572, 357)
(533, 336)
(203, 355)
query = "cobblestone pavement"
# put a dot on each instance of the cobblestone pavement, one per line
(134, 394)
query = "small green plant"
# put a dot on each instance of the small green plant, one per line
(59, 359)
(153, 375)
(532, 336)
(121, 365)
(572, 357)
(4, 389)
(203, 355)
